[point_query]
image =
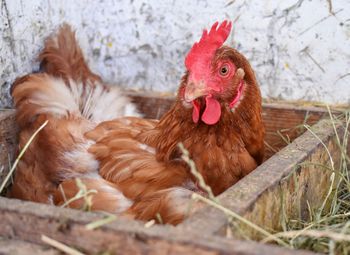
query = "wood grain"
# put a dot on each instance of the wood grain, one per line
(18, 247)
(28, 221)
(8, 141)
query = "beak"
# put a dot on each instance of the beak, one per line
(194, 91)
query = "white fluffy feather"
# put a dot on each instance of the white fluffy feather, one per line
(92, 101)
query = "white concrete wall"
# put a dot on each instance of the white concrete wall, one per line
(300, 49)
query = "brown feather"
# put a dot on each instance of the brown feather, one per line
(62, 57)
(105, 196)
(165, 206)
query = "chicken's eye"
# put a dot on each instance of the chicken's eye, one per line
(224, 70)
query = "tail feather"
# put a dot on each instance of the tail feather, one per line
(67, 86)
(62, 57)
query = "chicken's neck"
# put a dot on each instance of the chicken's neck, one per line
(177, 125)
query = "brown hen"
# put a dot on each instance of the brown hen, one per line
(134, 164)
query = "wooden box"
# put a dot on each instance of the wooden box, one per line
(283, 184)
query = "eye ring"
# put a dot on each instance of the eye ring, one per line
(224, 70)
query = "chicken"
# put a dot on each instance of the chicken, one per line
(134, 165)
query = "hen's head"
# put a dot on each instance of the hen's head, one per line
(214, 75)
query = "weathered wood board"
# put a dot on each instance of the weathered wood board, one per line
(28, 221)
(287, 180)
(18, 247)
(8, 141)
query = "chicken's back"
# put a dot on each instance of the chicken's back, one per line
(130, 174)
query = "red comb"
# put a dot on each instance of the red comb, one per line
(208, 43)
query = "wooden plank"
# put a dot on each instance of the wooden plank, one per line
(286, 121)
(8, 140)
(28, 221)
(279, 183)
(18, 247)
(151, 105)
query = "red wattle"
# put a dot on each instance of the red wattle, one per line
(212, 112)
(196, 109)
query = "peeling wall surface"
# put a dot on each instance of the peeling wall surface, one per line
(300, 49)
